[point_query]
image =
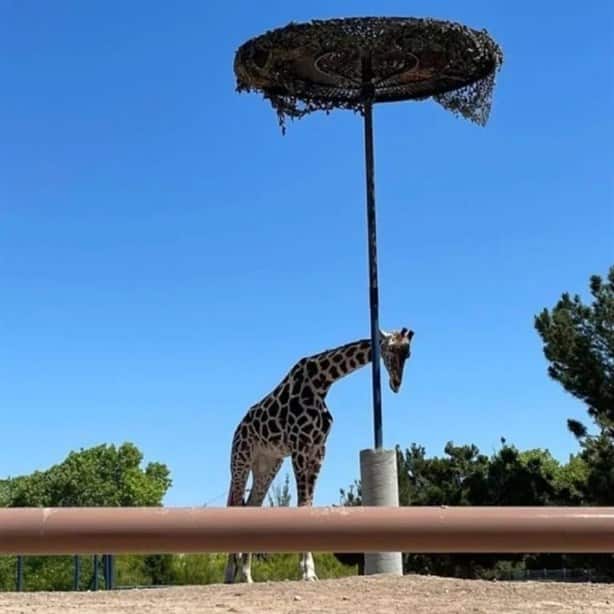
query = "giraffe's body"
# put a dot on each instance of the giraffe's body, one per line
(293, 420)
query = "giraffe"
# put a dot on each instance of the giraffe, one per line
(293, 420)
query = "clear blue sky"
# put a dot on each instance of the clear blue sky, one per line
(165, 254)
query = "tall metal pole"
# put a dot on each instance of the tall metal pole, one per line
(107, 566)
(111, 572)
(76, 572)
(95, 576)
(368, 92)
(19, 580)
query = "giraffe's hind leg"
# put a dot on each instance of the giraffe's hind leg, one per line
(306, 467)
(240, 473)
(264, 470)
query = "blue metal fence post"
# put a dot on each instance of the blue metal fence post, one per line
(107, 565)
(111, 572)
(76, 572)
(19, 579)
(95, 576)
(105, 571)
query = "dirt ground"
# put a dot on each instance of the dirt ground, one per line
(372, 594)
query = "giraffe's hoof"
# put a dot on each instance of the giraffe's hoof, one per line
(312, 578)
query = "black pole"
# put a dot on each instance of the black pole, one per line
(95, 576)
(76, 572)
(107, 565)
(20, 573)
(111, 585)
(105, 570)
(372, 238)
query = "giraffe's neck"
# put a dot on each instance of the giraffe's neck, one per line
(325, 368)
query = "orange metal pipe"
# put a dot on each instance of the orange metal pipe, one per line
(338, 529)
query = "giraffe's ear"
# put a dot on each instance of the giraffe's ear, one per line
(383, 334)
(407, 333)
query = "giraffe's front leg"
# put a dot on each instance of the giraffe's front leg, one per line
(230, 572)
(245, 574)
(307, 567)
(306, 470)
(238, 564)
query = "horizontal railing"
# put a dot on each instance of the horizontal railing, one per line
(319, 529)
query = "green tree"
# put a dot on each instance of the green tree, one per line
(571, 480)
(280, 496)
(522, 478)
(579, 345)
(4, 493)
(104, 475)
(447, 480)
(598, 455)
(464, 476)
(352, 496)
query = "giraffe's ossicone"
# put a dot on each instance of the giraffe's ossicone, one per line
(293, 421)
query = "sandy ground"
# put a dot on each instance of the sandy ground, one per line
(373, 594)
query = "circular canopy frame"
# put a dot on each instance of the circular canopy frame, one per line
(346, 63)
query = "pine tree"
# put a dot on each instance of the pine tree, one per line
(579, 344)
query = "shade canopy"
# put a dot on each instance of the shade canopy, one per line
(345, 63)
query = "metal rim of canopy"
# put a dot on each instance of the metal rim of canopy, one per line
(350, 62)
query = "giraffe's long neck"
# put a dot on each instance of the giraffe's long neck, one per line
(325, 368)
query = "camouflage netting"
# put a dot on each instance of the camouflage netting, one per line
(319, 65)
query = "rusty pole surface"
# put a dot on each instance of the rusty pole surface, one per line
(339, 529)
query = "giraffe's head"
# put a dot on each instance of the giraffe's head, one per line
(395, 349)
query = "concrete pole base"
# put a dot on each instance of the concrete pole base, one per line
(378, 475)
